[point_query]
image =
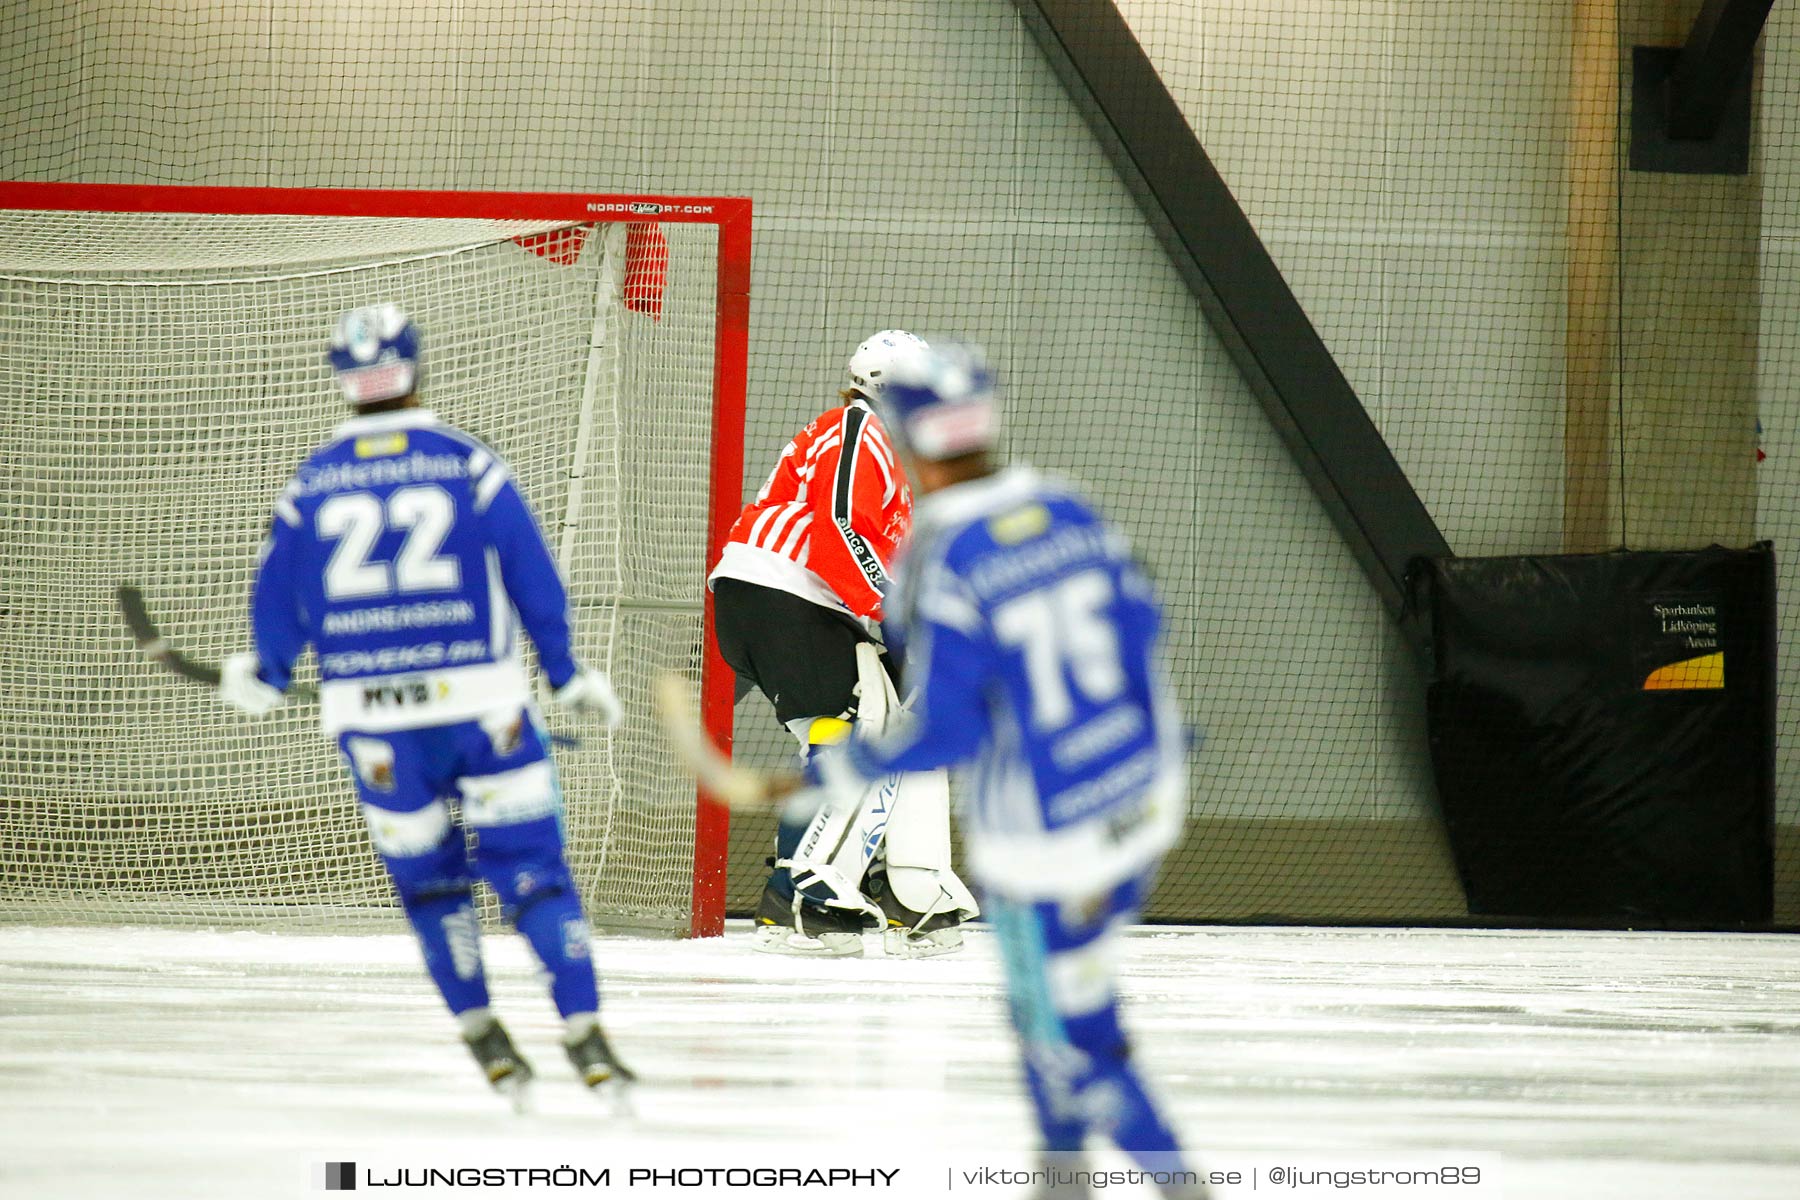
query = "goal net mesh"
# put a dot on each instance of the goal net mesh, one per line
(168, 375)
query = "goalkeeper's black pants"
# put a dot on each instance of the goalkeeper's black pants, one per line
(801, 655)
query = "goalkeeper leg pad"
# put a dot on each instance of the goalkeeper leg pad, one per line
(836, 849)
(827, 868)
(842, 838)
(923, 899)
(790, 922)
(877, 702)
(814, 903)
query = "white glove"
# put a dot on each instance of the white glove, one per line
(242, 688)
(590, 693)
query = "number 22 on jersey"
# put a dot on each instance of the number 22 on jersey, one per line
(356, 521)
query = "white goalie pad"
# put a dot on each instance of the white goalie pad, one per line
(846, 832)
(918, 849)
(905, 818)
(918, 826)
(837, 848)
(876, 701)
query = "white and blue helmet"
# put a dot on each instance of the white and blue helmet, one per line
(940, 402)
(375, 352)
(876, 358)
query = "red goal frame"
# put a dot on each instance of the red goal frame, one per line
(731, 214)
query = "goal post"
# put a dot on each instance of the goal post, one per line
(162, 364)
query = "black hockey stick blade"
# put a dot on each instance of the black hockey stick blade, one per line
(151, 641)
(156, 648)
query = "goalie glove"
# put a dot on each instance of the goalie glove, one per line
(242, 686)
(590, 693)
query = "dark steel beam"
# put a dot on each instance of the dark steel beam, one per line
(1250, 306)
(1717, 53)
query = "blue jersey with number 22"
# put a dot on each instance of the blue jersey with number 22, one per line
(403, 551)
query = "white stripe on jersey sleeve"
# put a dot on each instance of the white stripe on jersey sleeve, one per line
(784, 514)
(793, 538)
(879, 440)
(489, 486)
(284, 503)
(825, 443)
(885, 463)
(499, 609)
(769, 483)
(761, 523)
(811, 466)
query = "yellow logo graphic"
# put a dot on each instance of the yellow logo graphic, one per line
(380, 445)
(1692, 674)
(1019, 525)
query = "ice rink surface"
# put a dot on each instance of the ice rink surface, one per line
(151, 1063)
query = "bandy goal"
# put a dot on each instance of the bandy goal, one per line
(162, 363)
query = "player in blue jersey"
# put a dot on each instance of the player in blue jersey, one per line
(405, 553)
(1032, 640)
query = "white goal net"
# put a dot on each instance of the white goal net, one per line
(163, 374)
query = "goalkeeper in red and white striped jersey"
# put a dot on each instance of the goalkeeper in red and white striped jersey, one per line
(797, 597)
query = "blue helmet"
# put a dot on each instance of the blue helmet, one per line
(940, 402)
(375, 352)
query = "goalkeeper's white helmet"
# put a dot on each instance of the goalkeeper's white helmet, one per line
(877, 357)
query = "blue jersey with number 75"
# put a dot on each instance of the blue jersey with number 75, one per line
(1033, 647)
(404, 552)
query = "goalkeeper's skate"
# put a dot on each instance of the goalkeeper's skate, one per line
(596, 1063)
(500, 1060)
(801, 927)
(910, 933)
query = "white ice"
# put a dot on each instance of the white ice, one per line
(154, 1063)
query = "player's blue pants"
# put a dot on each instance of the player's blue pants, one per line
(500, 771)
(1060, 960)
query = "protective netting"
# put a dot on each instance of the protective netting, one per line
(155, 413)
(1563, 353)
(1775, 383)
